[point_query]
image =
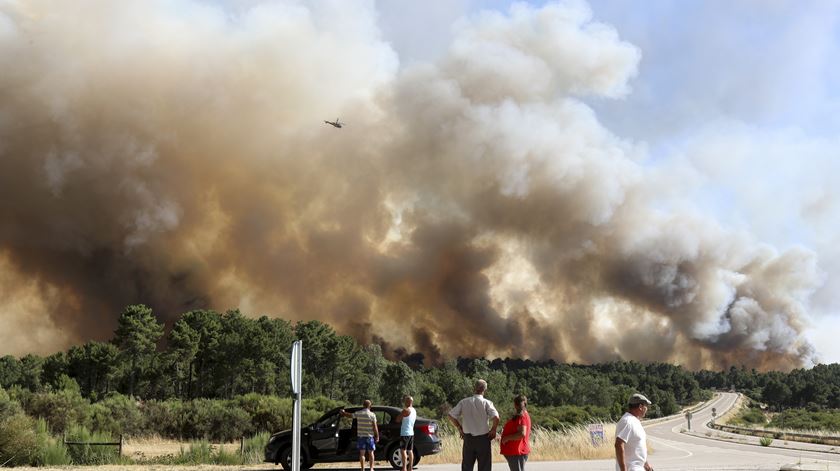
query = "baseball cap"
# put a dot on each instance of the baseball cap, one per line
(638, 399)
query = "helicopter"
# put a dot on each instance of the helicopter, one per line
(335, 123)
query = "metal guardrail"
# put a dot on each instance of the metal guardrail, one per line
(778, 434)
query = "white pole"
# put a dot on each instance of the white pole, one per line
(296, 372)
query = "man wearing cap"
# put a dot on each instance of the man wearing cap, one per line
(470, 417)
(630, 437)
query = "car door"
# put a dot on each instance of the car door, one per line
(324, 436)
(388, 429)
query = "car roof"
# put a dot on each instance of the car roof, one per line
(390, 409)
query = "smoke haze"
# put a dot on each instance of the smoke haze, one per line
(174, 154)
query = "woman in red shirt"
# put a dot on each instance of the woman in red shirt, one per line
(516, 434)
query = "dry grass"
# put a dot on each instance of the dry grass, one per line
(739, 405)
(572, 443)
(152, 447)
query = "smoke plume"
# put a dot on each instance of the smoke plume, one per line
(174, 154)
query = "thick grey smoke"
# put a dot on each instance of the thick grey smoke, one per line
(173, 153)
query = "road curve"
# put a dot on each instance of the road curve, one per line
(705, 448)
(702, 450)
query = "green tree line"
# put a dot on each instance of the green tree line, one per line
(212, 355)
(815, 389)
(219, 376)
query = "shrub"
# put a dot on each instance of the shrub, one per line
(765, 441)
(254, 447)
(60, 409)
(752, 416)
(161, 418)
(557, 418)
(227, 458)
(214, 420)
(87, 454)
(199, 452)
(202, 452)
(117, 414)
(18, 443)
(8, 406)
(803, 419)
(50, 451)
(268, 413)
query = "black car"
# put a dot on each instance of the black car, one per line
(333, 439)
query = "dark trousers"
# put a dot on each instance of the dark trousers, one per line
(476, 447)
(516, 462)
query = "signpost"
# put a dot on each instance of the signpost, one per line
(688, 418)
(296, 371)
(714, 414)
(596, 433)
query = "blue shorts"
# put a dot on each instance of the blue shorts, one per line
(366, 443)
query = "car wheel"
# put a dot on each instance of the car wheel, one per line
(286, 459)
(395, 458)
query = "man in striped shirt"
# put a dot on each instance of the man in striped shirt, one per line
(367, 432)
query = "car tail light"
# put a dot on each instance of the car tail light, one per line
(429, 429)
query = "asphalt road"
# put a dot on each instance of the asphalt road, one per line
(704, 450)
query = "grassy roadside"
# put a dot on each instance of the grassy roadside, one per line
(571, 443)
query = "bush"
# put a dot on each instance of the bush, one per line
(313, 409)
(61, 409)
(162, 418)
(88, 454)
(117, 415)
(214, 420)
(50, 451)
(18, 443)
(226, 458)
(557, 418)
(202, 452)
(751, 416)
(254, 448)
(268, 413)
(765, 441)
(803, 419)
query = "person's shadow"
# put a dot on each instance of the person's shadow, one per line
(348, 468)
(270, 467)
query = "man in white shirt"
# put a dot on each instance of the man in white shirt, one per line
(630, 437)
(471, 417)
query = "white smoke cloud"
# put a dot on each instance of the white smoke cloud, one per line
(479, 190)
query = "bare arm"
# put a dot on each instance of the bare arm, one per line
(345, 413)
(376, 431)
(405, 413)
(520, 433)
(457, 425)
(619, 454)
(493, 426)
